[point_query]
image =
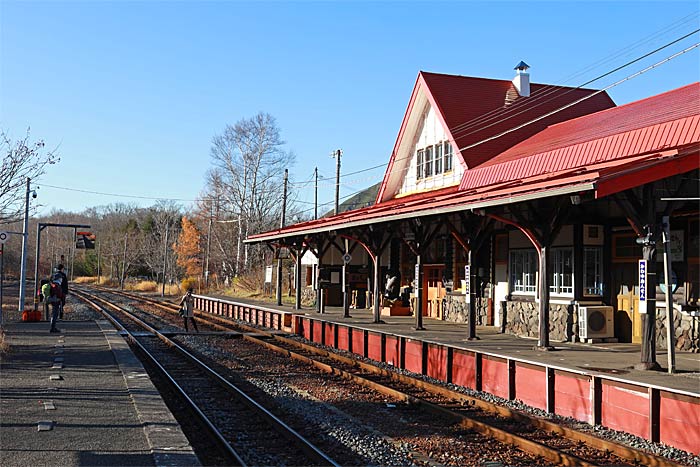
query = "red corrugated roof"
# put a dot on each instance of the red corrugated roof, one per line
(668, 120)
(462, 99)
(475, 109)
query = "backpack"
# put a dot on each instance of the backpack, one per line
(45, 291)
(56, 293)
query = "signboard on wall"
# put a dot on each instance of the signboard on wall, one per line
(268, 274)
(642, 286)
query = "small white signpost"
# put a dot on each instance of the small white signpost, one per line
(642, 286)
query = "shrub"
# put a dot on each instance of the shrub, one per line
(189, 283)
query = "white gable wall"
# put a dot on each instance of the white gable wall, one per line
(430, 132)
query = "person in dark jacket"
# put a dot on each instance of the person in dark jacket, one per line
(64, 287)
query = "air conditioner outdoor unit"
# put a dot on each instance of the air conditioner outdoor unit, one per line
(596, 322)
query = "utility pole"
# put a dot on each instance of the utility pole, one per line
(282, 220)
(25, 235)
(206, 259)
(337, 155)
(124, 262)
(72, 253)
(98, 262)
(165, 258)
(315, 193)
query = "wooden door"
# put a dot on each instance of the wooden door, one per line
(629, 303)
(433, 291)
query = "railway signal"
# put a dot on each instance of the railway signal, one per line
(85, 240)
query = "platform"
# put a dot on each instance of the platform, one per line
(80, 397)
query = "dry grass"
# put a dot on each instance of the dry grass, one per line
(142, 286)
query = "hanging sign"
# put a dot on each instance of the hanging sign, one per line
(268, 274)
(642, 286)
(467, 282)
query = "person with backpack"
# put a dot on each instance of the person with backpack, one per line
(64, 287)
(55, 299)
(44, 293)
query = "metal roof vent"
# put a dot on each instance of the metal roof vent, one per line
(522, 79)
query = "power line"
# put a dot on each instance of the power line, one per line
(125, 196)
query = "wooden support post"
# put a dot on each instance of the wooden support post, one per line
(449, 360)
(419, 293)
(424, 358)
(654, 414)
(511, 379)
(377, 290)
(478, 366)
(297, 281)
(543, 340)
(550, 389)
(596, 392)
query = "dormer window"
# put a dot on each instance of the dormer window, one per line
(428, 162)
(433, 160)
(448, 156)
(419, 164)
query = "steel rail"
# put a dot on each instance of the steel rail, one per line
(622, 451)
(221, 440)
(282, 428)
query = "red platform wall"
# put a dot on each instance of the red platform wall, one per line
(680, 422)
(358, 342)
(391, 351)
(343, 338)
(463, 368)
(413, 356)
(329, 336)
(531, 385)
(304, 328)
(626, 408)
(437, 362)
(494, 377)
(374, 346)
(572, 396)
(318, 327)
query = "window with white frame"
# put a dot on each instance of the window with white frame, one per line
(447, 156)
(592, 270)
(523, 271)
(428, 162)
(438, 158)
(419, 164)
(563, 271)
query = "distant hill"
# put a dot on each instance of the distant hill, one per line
(362, 199)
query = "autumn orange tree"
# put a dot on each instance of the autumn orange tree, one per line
(187, 248)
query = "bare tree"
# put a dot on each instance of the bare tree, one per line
(249, 162)
(20, 159)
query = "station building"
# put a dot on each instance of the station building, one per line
(527, 207)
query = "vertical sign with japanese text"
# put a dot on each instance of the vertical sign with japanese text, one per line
(642, 286)
(467, 282)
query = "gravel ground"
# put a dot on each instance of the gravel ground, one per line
(677, 455)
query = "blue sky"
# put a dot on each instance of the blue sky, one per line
(132, 92)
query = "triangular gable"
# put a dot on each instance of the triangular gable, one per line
(403, 158)
(471, 110)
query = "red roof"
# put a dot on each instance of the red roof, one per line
(650, 125)
(606, 152)
(481, 104)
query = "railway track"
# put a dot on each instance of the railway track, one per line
(544, 439)
(245, 431)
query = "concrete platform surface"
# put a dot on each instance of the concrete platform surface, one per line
(80, 397)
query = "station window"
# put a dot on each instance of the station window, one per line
(563, 271)
(447, 156)
(419, 164)
(592, 271)
(428, 162)
(438, 158)
(523, 271)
